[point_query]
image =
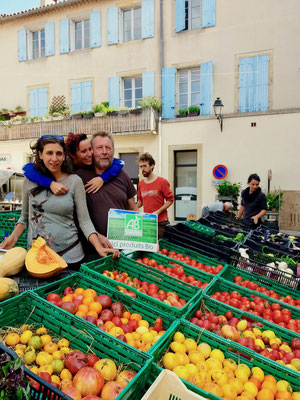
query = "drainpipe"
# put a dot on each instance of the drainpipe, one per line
(161, 67)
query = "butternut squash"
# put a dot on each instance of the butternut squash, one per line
(8, 288)
(12, 262)
(43, 262)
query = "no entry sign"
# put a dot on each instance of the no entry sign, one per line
(220, 171)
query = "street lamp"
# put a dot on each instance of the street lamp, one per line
(218, 109)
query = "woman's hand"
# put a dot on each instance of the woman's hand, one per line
(255, 219)
(9, 242)
(94, 185)
(104, 252)
(58, 189)
(104, 241)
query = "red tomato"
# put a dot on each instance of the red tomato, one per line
(53, 297)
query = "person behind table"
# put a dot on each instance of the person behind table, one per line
(50, 216)
(253, 203)
(81, 155)
(216, 206)
(154, 193)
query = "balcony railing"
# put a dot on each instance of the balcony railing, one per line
(129, 124)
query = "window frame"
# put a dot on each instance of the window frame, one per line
(188, 19)
(133, 89)
(83, 34)
(189, 93)
(41, 50)
(132, 23)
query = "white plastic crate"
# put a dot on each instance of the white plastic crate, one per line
(167, 386)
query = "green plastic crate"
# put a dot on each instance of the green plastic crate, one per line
(220, 309)
(190, 253)
(94, 270)
(214, 341)
(199, 229)
(29, 308)
(165, 261)
(281, 290)
(221, 285)
(79, 280)
(22, 241)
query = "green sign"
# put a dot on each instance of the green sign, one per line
(132, 230)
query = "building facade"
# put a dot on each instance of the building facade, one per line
(186, 52)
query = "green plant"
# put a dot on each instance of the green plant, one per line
(57, 109)
(19, 108)
(183, 111)
(97, 108)
(194, 110)
(110, 109)
(76, 113)
(123, 108)
(226, 188)
(274, 200)
(5, 111)
(105, 103)
(67, 112)
(150, 102)
(56, 114)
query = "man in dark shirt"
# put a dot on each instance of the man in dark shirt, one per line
(118, 193)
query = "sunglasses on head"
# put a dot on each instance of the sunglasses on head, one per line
(52, 137)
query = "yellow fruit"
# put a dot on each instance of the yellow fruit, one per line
(29, 357)
(296, 396)
(242, 375)
(46, 368)
(46, 339)
(296, 363)
(35, 342)
(182, 358)
(58, 355)
(269, 334)
(205, 349)
(193, 370)
(260, 343)
(190, 345)
(213, 363)
(286, 348)
(65, 350)
(107, 368)
(201, 365)
(179, 337)
(242, 325)
(147, 337)
(177, 347)
(245, 368)
(251, 388)
(24, 327)
(50, 347)
(213, 388)
(21, 347)
(182, 372)
(19, 353)
(258, 373)
(229, 373)
(218, 376)
(63, 343)
(12, 339)
(257, 332)
(249, 334)
(143, 322)
(41, 331)
(58, 366)
(230, 391)
(247, 395)
(291, 366)
(43, 358)
(35, 370)
(55, 379)
(140, 329)
(195, 356)
(65, 374)
(239, 386)
(218, 354)
(229, 363)
(26, 335)
(283, 386)
(200, 379)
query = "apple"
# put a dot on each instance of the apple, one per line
(104, 300)
(117, 309)
(75, 360)
(106, 315)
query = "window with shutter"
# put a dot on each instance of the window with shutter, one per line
(254, 83)
(132, 24)
(81, 96)
(194, 14)
(38, 102)
(132, 91)
(38, 44)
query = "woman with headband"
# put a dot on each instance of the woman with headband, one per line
(52, 217)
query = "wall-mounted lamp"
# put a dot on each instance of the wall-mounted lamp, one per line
(218, 109)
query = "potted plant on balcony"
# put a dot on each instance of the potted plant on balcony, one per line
(67, 114)
(57, 116)
(182, 113)
(111, 111)
(19, 111)
(194, 111)
(228, 191)
(77, 115)
(87, 114)
(123, 110)
(150, 102)
(5, 114)
(99, 110)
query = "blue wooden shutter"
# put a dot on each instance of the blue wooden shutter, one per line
(148, 83)
(208, 13)
(262, 92)
(95, 29)
(86, 96)
(33, 103)
(114, 91)
(179, 15)
(206, 88)
(246, 84)
(42, 101)
(147, 19)
(64, 36)
(22, 45)
(49, 39)
(168, 93)
(113, 25)
(76, 97)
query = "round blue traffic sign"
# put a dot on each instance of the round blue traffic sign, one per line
(220, 171)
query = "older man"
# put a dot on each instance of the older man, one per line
(118, 193)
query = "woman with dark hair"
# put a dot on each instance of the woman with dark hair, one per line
(253, 204)
(81, 155)
(52, 217)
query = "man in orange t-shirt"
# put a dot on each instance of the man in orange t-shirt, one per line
(154, 193)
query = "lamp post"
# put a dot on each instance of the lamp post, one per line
(218, 109)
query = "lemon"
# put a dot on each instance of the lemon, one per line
(218, 354)
(26, 335)
(182, 358)
(178, 347)
(190, 345)
(170, 361)
(182, 372)
(179, 337)
(205, 349)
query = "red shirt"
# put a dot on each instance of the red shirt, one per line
(153, 196)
